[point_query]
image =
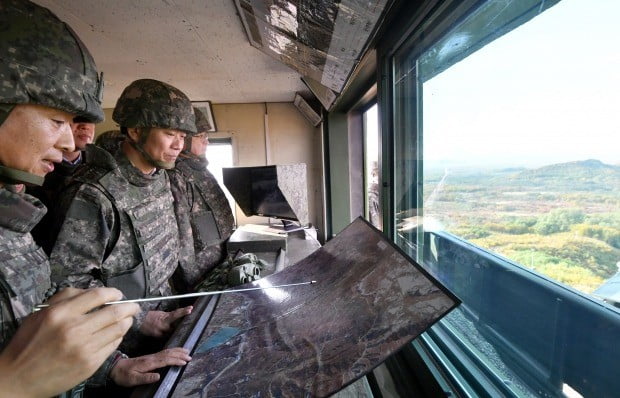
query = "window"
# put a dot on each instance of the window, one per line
(507, 188)
(220, 155)
(371, 167)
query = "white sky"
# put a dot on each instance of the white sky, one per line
(372, 132)
(544, 93)
(220, 156)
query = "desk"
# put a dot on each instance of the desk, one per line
(276, 248)
(299, 245)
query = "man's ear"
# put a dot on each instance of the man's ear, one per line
(133, 133)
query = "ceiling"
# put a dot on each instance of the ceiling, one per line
(199, 46)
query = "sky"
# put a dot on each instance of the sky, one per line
(547, 92)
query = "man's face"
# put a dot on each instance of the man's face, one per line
(164, 145)
(199, 144)
(33, 138)
(83, 134)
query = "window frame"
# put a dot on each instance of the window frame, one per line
(455, 369)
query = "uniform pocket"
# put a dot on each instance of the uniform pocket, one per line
(131, 282)
(205, 225)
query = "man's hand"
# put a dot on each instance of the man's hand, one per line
(131, 372)
(58, 347)
(159, 323)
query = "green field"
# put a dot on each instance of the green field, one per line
(561, 220)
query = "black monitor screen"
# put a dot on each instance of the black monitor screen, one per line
(267, 199)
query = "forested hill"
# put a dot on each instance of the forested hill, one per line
(585, 175)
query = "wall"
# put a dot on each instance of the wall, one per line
(107, 124)
(268, 133)
(275, 133)
(339, 172)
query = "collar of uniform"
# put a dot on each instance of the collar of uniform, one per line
(132, 173)
(19, 212)
(195, 162)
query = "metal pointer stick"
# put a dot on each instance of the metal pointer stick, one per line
(179, 296)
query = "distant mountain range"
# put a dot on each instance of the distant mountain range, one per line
(586, 175)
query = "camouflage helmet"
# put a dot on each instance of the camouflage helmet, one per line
(202, 126)
(109, 140)
(44, 62)
(151, 103)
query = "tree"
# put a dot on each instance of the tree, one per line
(558, 220)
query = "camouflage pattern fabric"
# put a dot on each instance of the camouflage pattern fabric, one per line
(235, 271)
(109, 140)
(24, 269)
(118, 222)
(151, 103)
(42, 61)
(202, 126)
(183, 278)
(5, 110)
(211, 218)
(45, 232)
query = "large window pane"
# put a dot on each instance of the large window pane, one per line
(220, 155)
(371, 167)
(507, 186)
(520, 145)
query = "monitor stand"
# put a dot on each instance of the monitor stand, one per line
(290, 226)
(287, 226)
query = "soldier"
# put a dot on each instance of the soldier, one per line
(54, 349)
(44, 233)
(119, 228)
(210, 214)
(109, 140)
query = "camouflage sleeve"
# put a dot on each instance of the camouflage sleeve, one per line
(102, 375)
(78, 253)
(7, 322)
(184, 276)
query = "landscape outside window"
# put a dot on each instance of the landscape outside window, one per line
(371, 167)
(521, 145)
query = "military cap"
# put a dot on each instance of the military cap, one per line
(152, 103)
(43, 61)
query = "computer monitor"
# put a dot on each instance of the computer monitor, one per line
(277, 191)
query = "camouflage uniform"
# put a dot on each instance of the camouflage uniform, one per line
(43, 62)
(119, 229)
(20, 291)
(210, 215)
(45, 232)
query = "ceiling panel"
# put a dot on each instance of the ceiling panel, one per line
(196, 45)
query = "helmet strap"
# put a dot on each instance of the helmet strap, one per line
(14, 176)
